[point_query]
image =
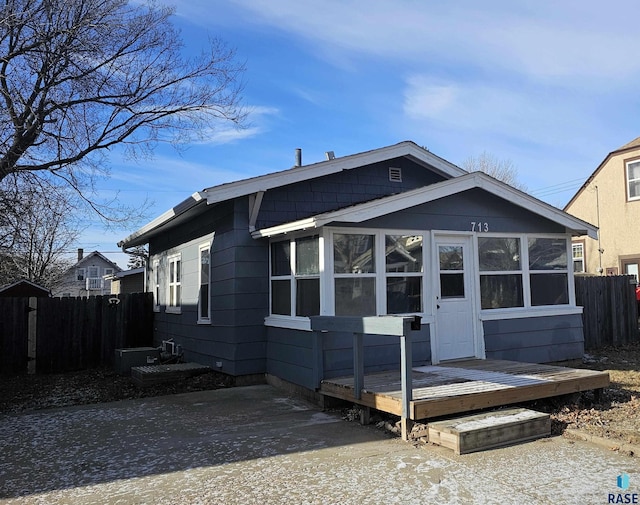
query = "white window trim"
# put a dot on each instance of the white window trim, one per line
(155, 282)
(574, 260)
(293, 277)
(327, 299)
(177, 309)
(535, 310)
(626, 175)
(207, 318)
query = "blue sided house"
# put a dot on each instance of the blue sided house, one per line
(238, 269)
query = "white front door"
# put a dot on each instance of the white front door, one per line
(455, 336)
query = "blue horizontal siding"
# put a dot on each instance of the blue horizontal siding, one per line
(535, 339)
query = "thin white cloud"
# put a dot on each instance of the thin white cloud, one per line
(547, 40)
(526, 115)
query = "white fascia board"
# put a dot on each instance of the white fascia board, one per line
(164, 218)
(245, 187)
(388, 205)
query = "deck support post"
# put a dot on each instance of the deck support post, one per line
(358, 365)
(406, 362)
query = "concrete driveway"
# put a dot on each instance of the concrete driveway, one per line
(257, 445)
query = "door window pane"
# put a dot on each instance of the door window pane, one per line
(404, 295)
(547, 254)
(549, 289)
(452, 285)
(499, 254)
(451, 257)
(501, 291)
(355, 296)
(403, 253)
(353, 254)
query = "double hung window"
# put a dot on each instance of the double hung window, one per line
(174, 284)
(203, 294)
(295, 277)
(633, 180)
(404, 272)
(354, 274)
(577, 252)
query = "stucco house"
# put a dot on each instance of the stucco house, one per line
(610, 198)
(238, 269)
(90, 276)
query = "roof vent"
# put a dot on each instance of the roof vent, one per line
(395, 174)
(298, 162)
(330, 155)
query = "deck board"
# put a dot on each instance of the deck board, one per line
(464, 386)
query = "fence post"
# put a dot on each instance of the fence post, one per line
(32, 327)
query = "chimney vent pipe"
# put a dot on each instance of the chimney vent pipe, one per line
(80, 253)
(298, 157)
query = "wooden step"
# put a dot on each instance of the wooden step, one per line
(489, 429)
(158, 374)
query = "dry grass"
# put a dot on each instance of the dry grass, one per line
(616, 415)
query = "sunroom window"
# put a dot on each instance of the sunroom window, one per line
(548, 271)
(500, 272)
(354, 274)
(404, 267)
(295, 277)
(511, 277)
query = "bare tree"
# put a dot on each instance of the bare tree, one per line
(78, 77)
(502, 169)
(37, 229)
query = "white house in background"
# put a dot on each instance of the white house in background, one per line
(90, 276)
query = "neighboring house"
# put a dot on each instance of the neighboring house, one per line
(610, 198)
(127, 281)
(24, 288)
(88, 277)
(237, 269)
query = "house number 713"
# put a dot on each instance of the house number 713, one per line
(479, 226)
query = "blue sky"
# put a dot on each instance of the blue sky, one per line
(551, 86)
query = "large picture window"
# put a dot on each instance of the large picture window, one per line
(500, 272)
(295, 277)
(513, 277)
(354, 274)
(548, 271)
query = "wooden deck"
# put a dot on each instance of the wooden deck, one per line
(464, 386)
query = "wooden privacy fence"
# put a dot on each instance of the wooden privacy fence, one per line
(64, 334)
(610, 315)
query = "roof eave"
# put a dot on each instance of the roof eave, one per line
(140, 236)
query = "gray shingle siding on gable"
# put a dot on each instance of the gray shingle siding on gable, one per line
(336, 191)
(458, 211)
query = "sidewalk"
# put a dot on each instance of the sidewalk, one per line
(257, 445)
